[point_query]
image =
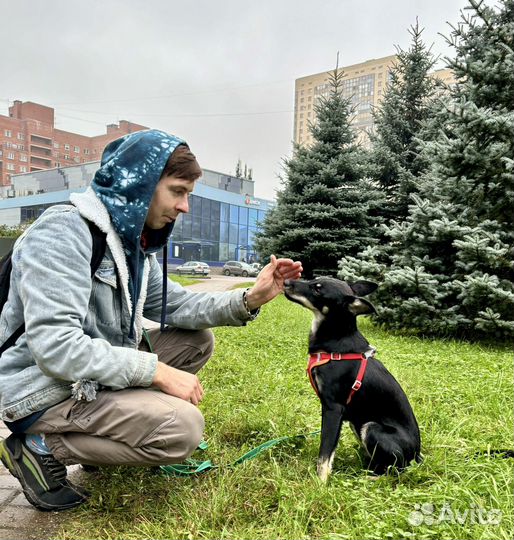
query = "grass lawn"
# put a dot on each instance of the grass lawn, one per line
(257, 389)
(185, 280)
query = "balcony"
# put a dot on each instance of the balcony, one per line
(40, 162)
(43, 141)
(39, 151)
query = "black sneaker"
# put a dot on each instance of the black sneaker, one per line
(42, 478)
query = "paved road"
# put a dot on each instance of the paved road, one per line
(20, 520)
(219, 283)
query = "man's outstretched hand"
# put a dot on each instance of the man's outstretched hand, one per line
(270, 281)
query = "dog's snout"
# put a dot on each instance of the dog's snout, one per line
(287, 283)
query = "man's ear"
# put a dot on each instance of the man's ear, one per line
(361, 307)
(363, 288)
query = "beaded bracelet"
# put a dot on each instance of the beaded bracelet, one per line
(251, 314)
(245, 303)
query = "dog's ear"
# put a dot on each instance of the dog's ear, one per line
(363, 288)
(361, 307)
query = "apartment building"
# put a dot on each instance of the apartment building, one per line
(363, 83)
(29, 141)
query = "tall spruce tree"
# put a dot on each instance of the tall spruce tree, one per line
(401, 122)
(453, 268)
(325, 209)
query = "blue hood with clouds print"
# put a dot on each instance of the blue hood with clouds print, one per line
(125, 183)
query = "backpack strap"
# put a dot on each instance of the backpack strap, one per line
(5, 278)
(99, 246)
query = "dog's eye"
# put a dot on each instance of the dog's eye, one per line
(317, 287)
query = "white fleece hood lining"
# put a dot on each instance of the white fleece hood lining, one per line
(91, 208)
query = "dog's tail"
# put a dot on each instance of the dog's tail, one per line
(503, 453)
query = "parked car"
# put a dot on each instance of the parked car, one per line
(236, 268)
(193, 267)
(257, 266)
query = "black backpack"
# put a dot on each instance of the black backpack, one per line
(99, 244)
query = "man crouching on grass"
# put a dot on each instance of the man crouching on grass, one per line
(80, 385)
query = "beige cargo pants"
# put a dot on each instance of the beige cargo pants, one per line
(135, 426)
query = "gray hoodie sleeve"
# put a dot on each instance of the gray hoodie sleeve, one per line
(51, 269)
(190, 310)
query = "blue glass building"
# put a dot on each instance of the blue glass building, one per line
(221, 224)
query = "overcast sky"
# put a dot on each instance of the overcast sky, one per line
(219, 74)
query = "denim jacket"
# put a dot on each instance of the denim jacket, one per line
(77, 327)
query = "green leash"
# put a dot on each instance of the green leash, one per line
(193, 466)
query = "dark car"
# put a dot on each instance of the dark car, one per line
(236, 268)
(193, 267)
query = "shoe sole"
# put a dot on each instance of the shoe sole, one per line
(14, 469)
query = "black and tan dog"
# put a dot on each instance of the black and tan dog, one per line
(351, 383)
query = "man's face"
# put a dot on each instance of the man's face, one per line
(169, 200)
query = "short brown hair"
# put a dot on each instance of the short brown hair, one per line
(182, 164)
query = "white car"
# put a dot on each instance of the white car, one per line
(237, 268)
(193, 267)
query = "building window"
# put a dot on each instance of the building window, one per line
(76, 149)
(23, 168)
(23, 157)
(234, 214)
(10, 167)
(66, 146)
(57, 164)
(56, 145)
(66, 156)
(7, 132)
(86, 150)
(10, 155)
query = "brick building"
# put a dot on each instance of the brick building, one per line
(29, 141)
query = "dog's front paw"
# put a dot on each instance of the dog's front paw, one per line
(324, 469)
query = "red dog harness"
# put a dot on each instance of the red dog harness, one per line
(318, 359)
